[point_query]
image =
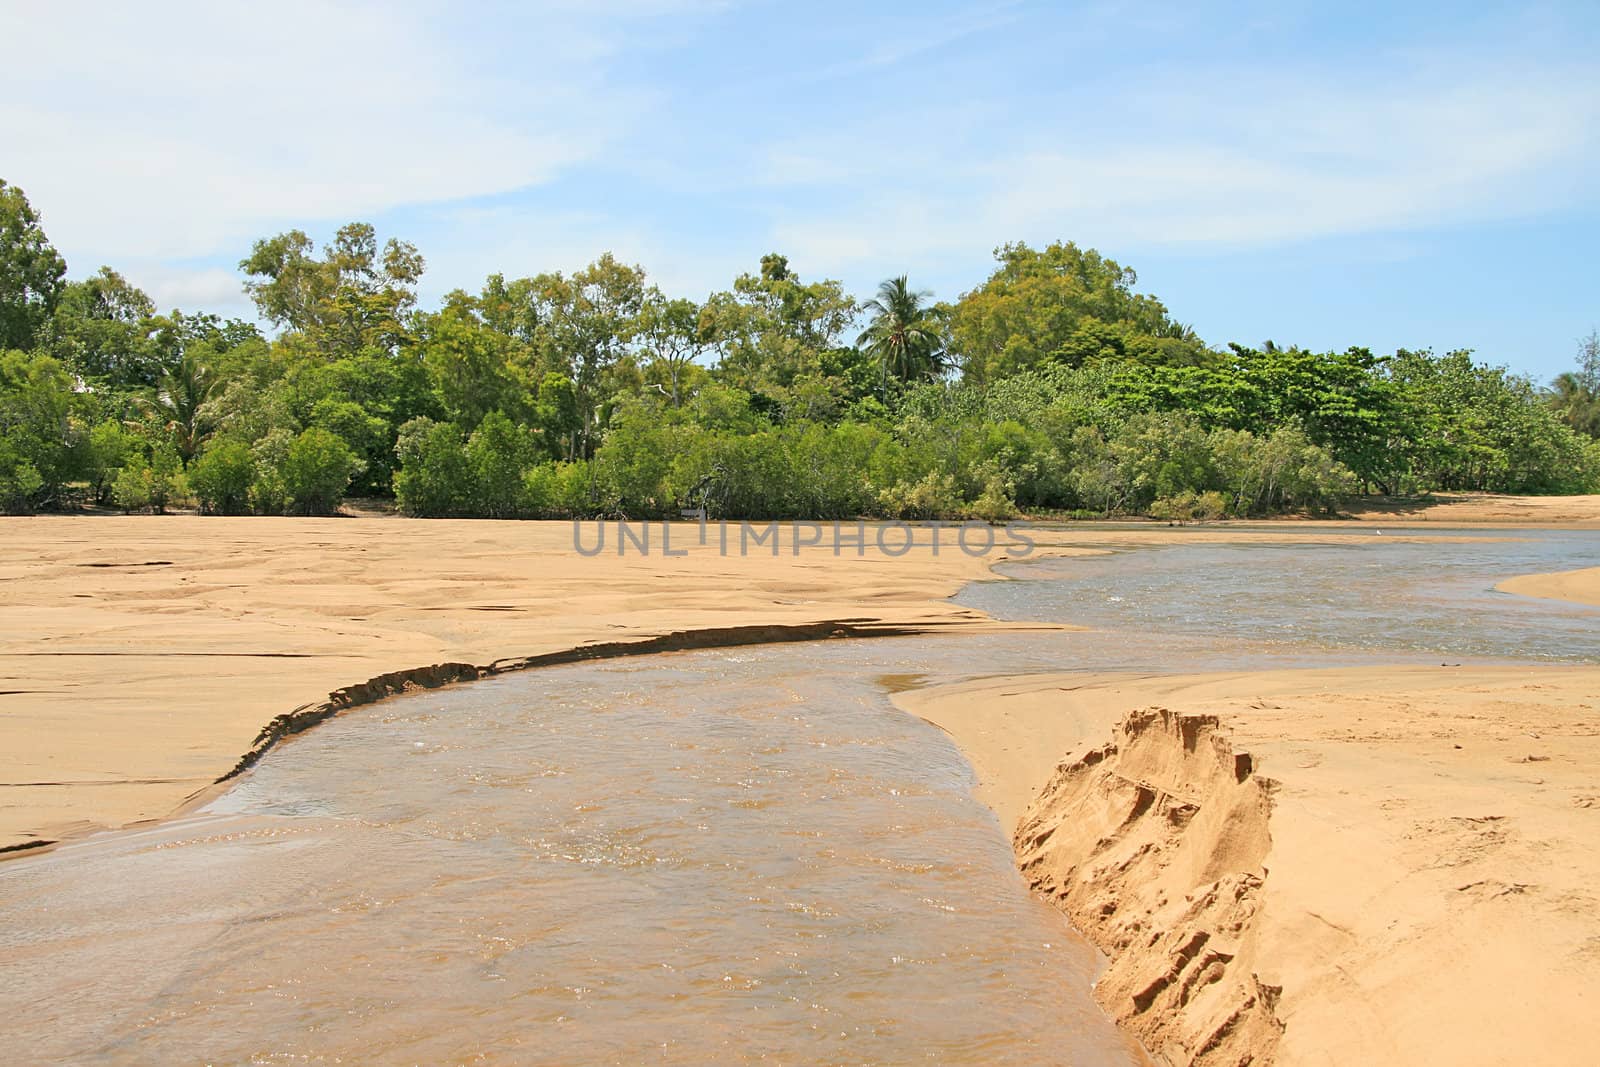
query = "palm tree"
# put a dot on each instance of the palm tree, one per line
(1576, 403)
(180, 397)
(904, 333)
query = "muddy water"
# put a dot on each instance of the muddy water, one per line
(1368, 600)
(705, 857)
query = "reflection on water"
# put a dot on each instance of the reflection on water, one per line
(1379, 597)
(709, 857)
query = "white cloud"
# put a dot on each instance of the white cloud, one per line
(186, 130)
(207, 289)
(1276, 158)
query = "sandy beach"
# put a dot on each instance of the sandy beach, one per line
(1386, 863)
(142, 656)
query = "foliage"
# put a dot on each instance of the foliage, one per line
(1575, 395)
(435, 476)
(222, 478)
(904, 334)
(316, 472)
(109, 447)
(152, 481)
(594, 393)
(1061, 304)
(180, 404)
(20, 480)
(32, 272)
(36, 425)
(352, 298)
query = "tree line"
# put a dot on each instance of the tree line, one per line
(1052, 387)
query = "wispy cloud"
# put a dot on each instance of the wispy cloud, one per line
(915, 39)
(1275, 158)
(179, 131)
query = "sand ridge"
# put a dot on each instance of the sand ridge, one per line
(1581, 586)
(1426, 893)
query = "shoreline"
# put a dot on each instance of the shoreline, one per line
(291, 724)
(97, 731)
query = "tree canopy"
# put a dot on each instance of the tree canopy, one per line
(1052, 387)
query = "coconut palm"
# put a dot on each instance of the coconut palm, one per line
(180, 397)
(1576, 403)
(904, 333)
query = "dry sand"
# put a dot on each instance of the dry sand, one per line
(1483, 509)
(1392, 865)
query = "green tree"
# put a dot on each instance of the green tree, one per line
(1030, 311)
(180, 404)
(20, 480)
(368, 437)
(152, 481)
(903, 335)
(316, 472)
(775, 329)
(36, 401)
(1575, 395)
(435, 478)
(673, 334)
(583, 326)
(109, 447)
(499, 453)
(470, 367)
(222, 477)
(105, 328)
(32, 272)
(354, 297)
(269, 491)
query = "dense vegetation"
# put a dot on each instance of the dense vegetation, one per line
(1053, 386)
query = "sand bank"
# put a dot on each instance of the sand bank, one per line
(141, 656)
(1390, 865)
(1481, 509)
(1579, 587)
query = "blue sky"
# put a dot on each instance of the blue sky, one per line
(1321, 174)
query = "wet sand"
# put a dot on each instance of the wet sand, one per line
(1577, 587)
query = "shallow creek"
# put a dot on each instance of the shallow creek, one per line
(718, 856)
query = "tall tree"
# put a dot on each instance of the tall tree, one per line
(774, 329)
(180, 404)
(583, 325)
(352, 298)
(32, 272)
(673, 334)
(1030, 309)
(1575, 395)
(904, 335)
(106, 328)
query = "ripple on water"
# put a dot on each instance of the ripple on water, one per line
(739, 858)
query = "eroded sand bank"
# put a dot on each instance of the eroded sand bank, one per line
(1313, 866)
